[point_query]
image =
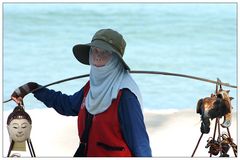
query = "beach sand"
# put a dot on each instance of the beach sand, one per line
(172, 134)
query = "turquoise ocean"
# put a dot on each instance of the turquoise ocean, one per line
(198, 39)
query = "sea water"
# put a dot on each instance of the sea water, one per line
(197, 39)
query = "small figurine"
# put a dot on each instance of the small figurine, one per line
(19, 125)
(215, 106)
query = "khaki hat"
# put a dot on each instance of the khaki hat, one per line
(107, 39)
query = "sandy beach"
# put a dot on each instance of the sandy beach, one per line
(172, 134)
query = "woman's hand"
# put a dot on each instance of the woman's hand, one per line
(23, 90)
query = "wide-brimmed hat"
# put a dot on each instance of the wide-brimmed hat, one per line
(107, 39)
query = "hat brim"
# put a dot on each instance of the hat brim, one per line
(81, 51)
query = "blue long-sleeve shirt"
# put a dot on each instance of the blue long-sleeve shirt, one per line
(129, 111)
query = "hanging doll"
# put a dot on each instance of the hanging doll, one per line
(217, 105)
(19, 125)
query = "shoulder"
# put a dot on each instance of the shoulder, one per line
(128, 98)
(127, 94)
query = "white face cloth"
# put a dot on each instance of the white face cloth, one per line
(105, 83)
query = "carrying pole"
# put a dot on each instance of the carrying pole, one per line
(139, 72)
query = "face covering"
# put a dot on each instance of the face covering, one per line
(105, 83)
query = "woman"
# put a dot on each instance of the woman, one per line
(110, 119)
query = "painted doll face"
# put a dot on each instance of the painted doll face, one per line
(19, 130)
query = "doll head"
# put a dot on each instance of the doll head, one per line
(19, 125)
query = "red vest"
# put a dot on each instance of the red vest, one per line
(105, 137)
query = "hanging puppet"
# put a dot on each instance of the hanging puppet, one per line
(215, 107)
(19, 125)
